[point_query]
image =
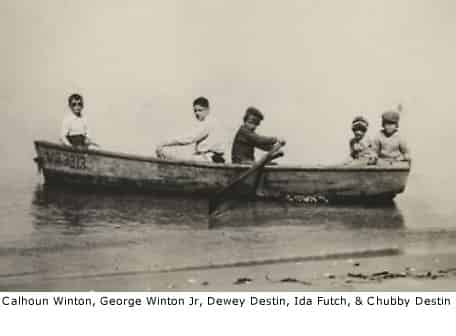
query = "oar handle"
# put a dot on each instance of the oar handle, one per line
(276, 155)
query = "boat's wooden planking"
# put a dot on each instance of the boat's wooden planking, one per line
(65, 165)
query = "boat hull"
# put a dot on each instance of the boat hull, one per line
(103, 170)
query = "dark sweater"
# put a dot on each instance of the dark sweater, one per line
(245, 142)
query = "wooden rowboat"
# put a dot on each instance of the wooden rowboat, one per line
(99, 169)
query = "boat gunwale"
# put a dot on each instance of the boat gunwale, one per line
(198, 164)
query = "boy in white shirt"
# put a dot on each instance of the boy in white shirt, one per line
(206, 137)
(75, 130)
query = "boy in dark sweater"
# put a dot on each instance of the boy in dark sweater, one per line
(246, 140)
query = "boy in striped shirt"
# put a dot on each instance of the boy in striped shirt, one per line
(388, 144)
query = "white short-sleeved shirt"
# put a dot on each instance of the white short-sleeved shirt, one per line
(74, 125)
(214, 140)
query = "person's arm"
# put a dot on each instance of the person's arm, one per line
(88, 140)
(200, 147)
(353, 151)
(64, 132)
(371, 153)
(405, 150)
(259, 141)
(217, 142)
(86, 127)
(195, 138)
(376, 146)
(185, 140)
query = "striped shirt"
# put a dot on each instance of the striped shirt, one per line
(391, 147)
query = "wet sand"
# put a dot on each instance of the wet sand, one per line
(129, 261)
(393, 273)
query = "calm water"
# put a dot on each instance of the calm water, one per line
(35, 216)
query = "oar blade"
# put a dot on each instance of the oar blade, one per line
(239, 188)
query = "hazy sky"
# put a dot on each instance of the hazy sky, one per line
(311, 66)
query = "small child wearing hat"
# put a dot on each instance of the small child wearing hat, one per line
(388, 144)
(361, 147)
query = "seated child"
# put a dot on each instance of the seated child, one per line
(207, 137)
(246, 140)
(360, 145)
(388, 144)
(75, 130)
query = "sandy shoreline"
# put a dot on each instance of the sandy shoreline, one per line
(400, 272)
(249, 258)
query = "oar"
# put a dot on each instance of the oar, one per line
(223, 194)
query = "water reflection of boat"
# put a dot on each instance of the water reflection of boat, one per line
(107, 170)
(53, 205)
(77, 210)
(374, 216)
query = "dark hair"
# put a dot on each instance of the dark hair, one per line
(201, 101)
(390, 117)
(360, 119)
(75, 96)
(252, 111)
(360, 123)
(359, 127)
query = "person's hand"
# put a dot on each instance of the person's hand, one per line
(160, 152)
(65, 142)
(372, 160)
(90, 141)
(357, 147)
(198, 152)
(281, 141)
